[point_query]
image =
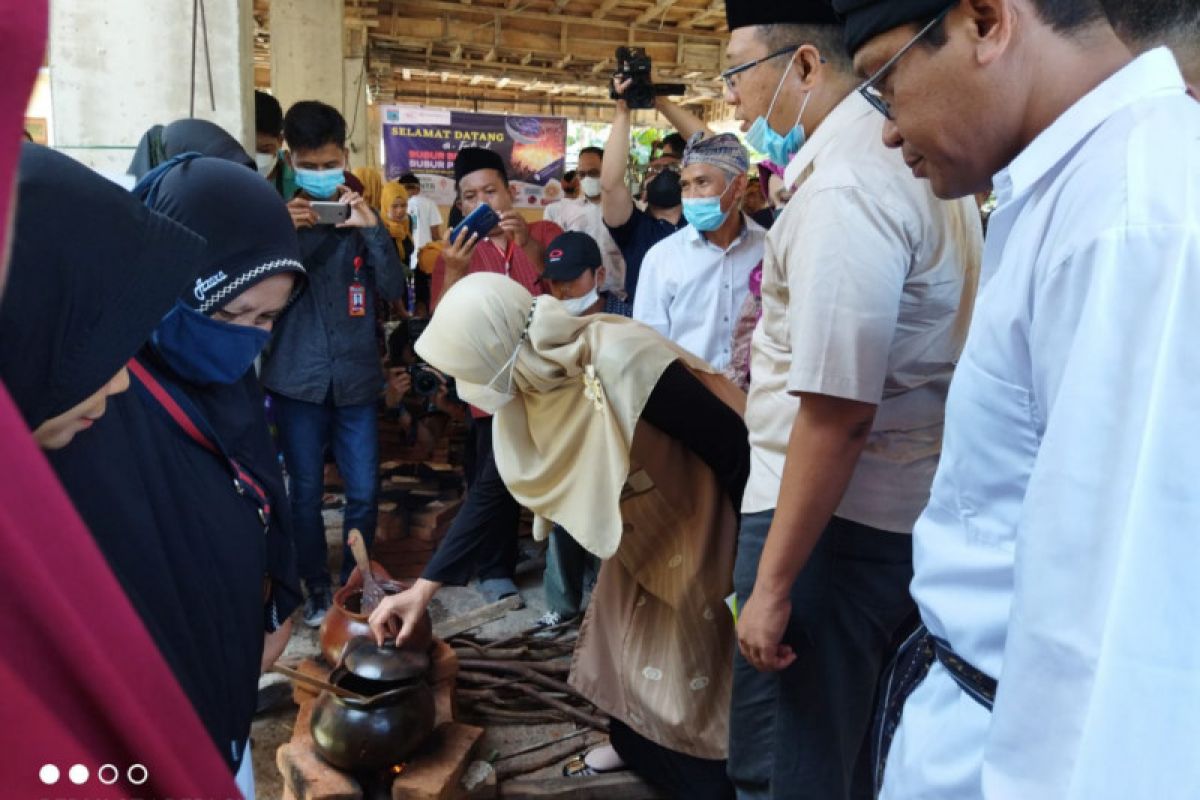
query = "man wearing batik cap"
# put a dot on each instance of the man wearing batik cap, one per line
(694, 282)
(1056, 559)
(867, 290)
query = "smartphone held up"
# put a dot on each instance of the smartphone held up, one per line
(480, 222)
(330, 212)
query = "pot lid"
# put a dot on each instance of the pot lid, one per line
(386, 664)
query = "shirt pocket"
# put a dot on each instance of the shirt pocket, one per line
(990, 449)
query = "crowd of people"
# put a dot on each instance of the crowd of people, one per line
(852, 501)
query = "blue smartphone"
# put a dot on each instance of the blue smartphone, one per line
(481, 221)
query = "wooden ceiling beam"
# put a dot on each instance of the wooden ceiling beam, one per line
(519, 44)
(550, 47)
(715, 9)
(605, 7)
(426, 8)
(654, 12)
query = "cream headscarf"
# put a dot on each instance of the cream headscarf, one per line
(567, 393)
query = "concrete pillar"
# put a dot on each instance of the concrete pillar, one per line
(315, 57)
(374, 136)
(306, 51)
(354, 109)
(117, 67)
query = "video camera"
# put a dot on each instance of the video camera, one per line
(633, 64)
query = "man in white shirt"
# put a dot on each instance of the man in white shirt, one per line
(1057, 555)
(585, 214)
(693, 283)
(867, 290)
(425, 214)
(570, 190)
(1146, 24)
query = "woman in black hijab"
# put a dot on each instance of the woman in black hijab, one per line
(160, 144)
(83, 680)
(78, 306)
(180, 482)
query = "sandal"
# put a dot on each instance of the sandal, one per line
(578, 767)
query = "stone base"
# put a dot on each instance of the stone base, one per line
(434, 772)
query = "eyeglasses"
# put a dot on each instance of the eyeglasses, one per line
(652, 171)
(731, 73)
(868, 88)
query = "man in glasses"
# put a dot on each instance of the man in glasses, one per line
(867, 289)
(1056, 560)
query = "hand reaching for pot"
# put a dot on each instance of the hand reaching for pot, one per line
(397, 616)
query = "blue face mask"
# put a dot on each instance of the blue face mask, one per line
(203, 350)
(779, 148)
(704, 213)
(320, 183)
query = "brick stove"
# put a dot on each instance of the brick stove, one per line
(434, 773)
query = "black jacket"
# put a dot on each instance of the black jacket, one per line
(317, 344)
(190, 551)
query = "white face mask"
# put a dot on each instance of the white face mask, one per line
(265, 163)
(485, 398)
(578, 306)
(590, 186)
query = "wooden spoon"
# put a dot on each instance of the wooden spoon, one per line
(372, 592)
(317, 683)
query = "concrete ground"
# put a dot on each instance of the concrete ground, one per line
(274, 727)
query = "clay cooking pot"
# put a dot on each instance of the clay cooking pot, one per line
(395, 718)
(344, 621)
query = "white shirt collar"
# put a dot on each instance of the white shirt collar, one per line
(844, 114)
(1152, 73)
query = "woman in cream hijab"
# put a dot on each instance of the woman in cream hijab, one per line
(638, 448)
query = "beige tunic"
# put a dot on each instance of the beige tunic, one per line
(656, 646)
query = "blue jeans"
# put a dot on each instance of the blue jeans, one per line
(802, 733)
(305, 430)
(569, 568)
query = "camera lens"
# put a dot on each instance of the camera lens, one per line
(424, 382)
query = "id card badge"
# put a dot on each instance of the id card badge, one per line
(357, 300)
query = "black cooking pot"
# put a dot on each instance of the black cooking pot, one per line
(395, 716)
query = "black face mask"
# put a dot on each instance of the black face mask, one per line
(664, 191)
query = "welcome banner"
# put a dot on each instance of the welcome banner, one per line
(426, 141)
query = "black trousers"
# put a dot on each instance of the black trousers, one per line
(801, 734)
(677, 774)
(483, 537)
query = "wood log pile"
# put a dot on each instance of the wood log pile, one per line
(522, 679)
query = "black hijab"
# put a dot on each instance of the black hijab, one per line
(80, 302)
(186, 136)
(191, 551)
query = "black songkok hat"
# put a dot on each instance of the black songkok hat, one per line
(472, 159)
(866, 19)
(742, 13)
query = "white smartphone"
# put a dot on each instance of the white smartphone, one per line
(331, 212)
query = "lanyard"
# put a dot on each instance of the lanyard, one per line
(508, 255)
(179, 409)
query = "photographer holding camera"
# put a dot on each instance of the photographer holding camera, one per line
(414, 384)
(635, 231)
